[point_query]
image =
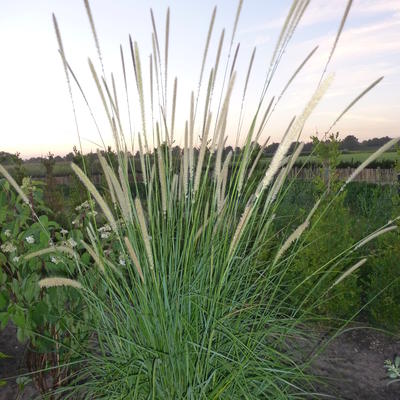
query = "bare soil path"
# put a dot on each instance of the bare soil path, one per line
(353, 365)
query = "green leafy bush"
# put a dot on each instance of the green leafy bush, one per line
(44, 319)
(382, 286)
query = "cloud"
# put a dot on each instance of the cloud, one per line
(322, 11)
(377, 6)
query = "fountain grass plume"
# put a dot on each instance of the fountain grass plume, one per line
(49, 250)
(59, 281)
(192, 311)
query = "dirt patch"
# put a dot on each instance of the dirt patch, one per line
(13, 366)
(352, 366)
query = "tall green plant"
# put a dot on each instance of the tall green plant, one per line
(331, 236)
(187, 310)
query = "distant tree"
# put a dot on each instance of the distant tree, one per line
(271, 148)
(328, 153)
(52, 194)
(375, 142)
(69, 156)
(308, 148)
(19, 170)
(49, 163)
(350, 143)
(6, 158)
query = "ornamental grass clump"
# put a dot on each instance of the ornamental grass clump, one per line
(191, 312)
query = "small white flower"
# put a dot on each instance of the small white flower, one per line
(92, 213)
(105, 235)
(30, 239)
(105, 228)
(7, 233)
(54, 260)
(84, 205)
(51, 243)
(121, 261)
(15, 259)
(76, 222)
(26, 184)
(63, 231)
(71, 242)
(8, 247)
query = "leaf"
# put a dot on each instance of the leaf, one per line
(397, 361)
(3, 300)
(3, 214)
(2, 355)
(4, 317)
(3, 259)
(44, 239)
(39, 312)
(22, 381)
(31, 289)
(19, 319)
(21, 335)
(43, 344)
(44, 220)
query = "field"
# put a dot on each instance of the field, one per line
(62, 168)
(356, 157)
(37, 169)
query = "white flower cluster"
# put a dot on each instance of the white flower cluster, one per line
(15, 259)
(71, 242)
(63, 231)
(30, 239)
(7, 233)
(121, 260)
(54, 260)
(86, 205)
(27, 185)
(8, 247)
(105, 231)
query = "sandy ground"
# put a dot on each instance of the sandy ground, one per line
(352, 364)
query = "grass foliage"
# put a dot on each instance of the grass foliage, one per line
(190, 310)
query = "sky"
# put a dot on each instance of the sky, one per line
(36, 112)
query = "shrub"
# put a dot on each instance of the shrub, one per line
(382, 286)
(371, 205)
(332, 235)
(44, 320)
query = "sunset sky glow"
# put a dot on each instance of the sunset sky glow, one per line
(36, 109)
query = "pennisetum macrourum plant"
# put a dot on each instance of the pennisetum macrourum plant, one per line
(192, 313)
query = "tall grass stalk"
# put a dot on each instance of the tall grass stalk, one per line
(193, 312)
